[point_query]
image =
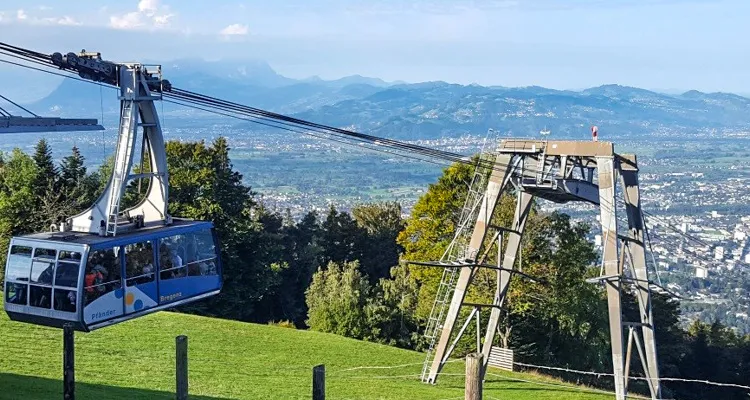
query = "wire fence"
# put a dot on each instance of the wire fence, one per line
(639, 378)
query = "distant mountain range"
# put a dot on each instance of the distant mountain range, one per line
(432, 109)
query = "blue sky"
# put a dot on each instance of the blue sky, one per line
(571, 44)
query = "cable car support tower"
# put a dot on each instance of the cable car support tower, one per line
(562, 172)
(140, 86)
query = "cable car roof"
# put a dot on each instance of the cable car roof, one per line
(146, 233)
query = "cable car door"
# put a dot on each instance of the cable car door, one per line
(102, 285)
(140, 277)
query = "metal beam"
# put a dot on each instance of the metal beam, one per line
(494, 189)
(608, 219)
(13, 124)
(523, 206)
(637, 257)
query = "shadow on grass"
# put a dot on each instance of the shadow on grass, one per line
(33, 388)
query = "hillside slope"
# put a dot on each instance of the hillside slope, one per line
(231, 360)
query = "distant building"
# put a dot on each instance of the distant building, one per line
(598, 240)
(715, 214)
(739, 236)
(701, 272)
(719, 253)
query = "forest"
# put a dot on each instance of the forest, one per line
(347, 272)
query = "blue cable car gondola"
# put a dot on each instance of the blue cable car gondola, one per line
(107, 265)
(94, 281)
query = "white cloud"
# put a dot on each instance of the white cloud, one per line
(64, 20)
(162, 20)
(235, 30)
(150, 14)
(148, 7)
(131, 20)
(23, 17)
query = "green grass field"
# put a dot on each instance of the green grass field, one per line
(231, 360)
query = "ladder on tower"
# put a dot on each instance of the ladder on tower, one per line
(456, 254)
(122, 157)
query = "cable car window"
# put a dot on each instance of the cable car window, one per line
(102, 273)
(171, 256)
(65, 300)
(45, 253)
(40, 296)
(139, 263)
(200, 253)
(68, 265)
(15, 293)
(43, 266)
(19, 264)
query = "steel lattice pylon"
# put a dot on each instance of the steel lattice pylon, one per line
(559, 171)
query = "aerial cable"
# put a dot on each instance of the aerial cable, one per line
(64, 75)
(12, 48)
(17, 105)
(241, 109)
(381, 141)
(101, 122)
(329, 128)
(308, 133)
(234, 107)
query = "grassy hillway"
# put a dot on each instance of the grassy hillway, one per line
(232, 360)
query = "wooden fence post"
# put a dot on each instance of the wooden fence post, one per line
(182, 367)
(319, 382)
(69, 374)
(473, 389)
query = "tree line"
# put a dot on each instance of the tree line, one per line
(343, 272)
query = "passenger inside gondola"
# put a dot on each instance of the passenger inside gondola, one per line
(65, 300)
(139, 265)
(102, 273)
(169, 259)
(42, 271)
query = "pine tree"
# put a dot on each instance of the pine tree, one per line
(73, 170)
(47, 173)
(43, 160)
(45, 186)
(77, 190)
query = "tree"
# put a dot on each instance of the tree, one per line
(434, 217)
(18, 173)
(302, 254)
(381, 223)
(559, 319)
(337, 301)
(342, 238)
(78, 190)
(393, 310)
(47, 172)
(73, 169)
(204, 186)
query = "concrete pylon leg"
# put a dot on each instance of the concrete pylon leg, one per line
(523, 206)
(492, 194)
(608, 216)
(637, 254)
